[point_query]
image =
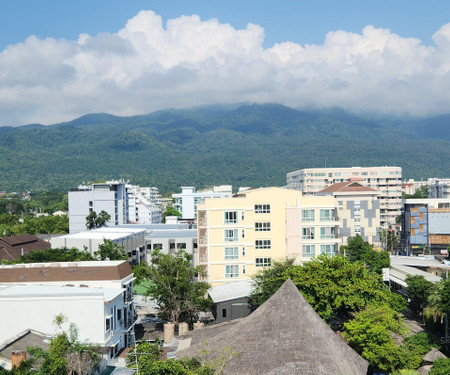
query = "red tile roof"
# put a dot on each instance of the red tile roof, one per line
(346, 186)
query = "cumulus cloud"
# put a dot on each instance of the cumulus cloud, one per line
(148, 66)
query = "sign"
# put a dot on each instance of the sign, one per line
(385, 274)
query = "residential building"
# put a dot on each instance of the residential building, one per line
(142, 207)
(186, 202)
(358, 210)
(426, 225)
(12, 247)
(132, 239)
(411, 186)
(238, 235)
(439, 188)
(387, 180)
(96, 296)
(111, 197)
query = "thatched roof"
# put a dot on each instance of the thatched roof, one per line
(283, 336)
(432, 355)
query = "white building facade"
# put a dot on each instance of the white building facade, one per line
(186, 202)
(142, 205)
(111, 197)
(387, 180)
(439, 188)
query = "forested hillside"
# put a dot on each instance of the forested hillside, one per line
(243, 145)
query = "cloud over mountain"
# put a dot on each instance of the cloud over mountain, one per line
(148, 66)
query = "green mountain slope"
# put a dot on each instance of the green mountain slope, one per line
(245, 145)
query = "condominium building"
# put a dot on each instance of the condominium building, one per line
(238, 235)
(439, 188)
(387, 180)
(111, 197)
(142, 205)
(186, 202)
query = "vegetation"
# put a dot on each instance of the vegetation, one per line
(175, 287)
(170, 211)
(419, 289)
(358, 250)
(269, 140)
(146, 357)
(109, 250)
(97, 221)
(421, 192)
(62, 254)
(440, 367)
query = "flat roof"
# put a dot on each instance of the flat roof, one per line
(230, 291)
(91, 235)
(181, 233)
(415, 261)
(32, 291)
(86, 263)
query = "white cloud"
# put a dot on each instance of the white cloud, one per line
(148, 66)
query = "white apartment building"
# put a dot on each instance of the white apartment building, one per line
(186, 202)
(110, 196)
(387, 180)
(439, 188)
(142, 207)
(96, 296)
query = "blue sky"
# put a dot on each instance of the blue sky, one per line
(60, 60)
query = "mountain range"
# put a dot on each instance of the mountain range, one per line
(241, 144)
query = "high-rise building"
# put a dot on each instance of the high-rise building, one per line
(238, 235)
(387, 180)
(439, 188)
(111, 197)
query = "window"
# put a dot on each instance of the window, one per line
(263, 244)
(263, 262)
(327, 232)
(231, 235)
(327, 249)
(224, 313)
(262, 227)
(327, 214)
(308, 215)
(243, 269)
(230, 217)
(242, 215)
(308, 251)
(357, 230)
(181, 245)
(231, 253)
(119, 314)
(243, 251)
(243, 233)
(232, 271)
(308, 233)
(262, 208)
(108, 324)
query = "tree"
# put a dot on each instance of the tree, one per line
(419, 289)
(62, 254)
(170, 211)
(333, 286)
(370, 334)
(440, 367)
(96, 221)
(109, 250)
(416, 346)
(359, 250)
(389, 239)
(175, 287)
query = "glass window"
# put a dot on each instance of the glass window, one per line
(262, 208)
(262, 227)
(263, 244)
(327, 214)
(327, 232)
(231, 235)
(308, 233)
(242, 215)
(230, 217)
(263, 262)
(308, 251)
(231, 253)
(243, 269)
(243, 251)
(232, 271)
(327, 249)
(308, 215)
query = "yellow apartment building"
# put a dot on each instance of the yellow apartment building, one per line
(239, 235)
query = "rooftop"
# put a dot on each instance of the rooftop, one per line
(347, 187)
(230, 291)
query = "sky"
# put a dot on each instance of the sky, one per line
(62, 59)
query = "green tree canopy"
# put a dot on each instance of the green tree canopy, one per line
(62, 254)
(419, 289)
(359, 250)
(170, 211)
(97, 221)
(109, 250)
(176, 289)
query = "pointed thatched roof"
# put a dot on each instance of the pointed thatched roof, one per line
(283, 336)
(432, 355)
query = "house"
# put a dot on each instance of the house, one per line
(12, 247)
(387, 180)
(239, 235)
(358, 210)
(283, 336)
(96, 296)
